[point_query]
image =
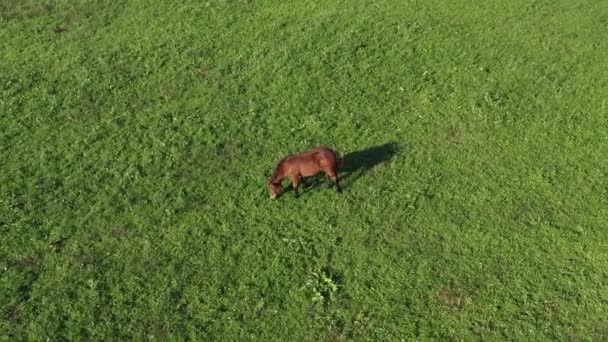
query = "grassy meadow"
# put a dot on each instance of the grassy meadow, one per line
(136, 139)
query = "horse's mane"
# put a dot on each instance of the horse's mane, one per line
(276, 169)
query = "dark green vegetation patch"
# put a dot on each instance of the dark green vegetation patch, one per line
(136, 138)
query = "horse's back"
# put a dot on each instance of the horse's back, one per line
(326, 157)
(324, 150)
(317, 154)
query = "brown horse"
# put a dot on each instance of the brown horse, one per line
(305, 164)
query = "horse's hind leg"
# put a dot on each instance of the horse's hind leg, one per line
(332, 174)
(327, 181)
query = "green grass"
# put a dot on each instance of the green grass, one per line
(136, 140)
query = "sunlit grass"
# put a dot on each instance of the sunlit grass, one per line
(136, 140)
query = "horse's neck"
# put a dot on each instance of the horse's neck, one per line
(278, 175)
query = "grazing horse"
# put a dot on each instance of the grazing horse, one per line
(305, 164)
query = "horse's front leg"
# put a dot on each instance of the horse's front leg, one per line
(294, 184)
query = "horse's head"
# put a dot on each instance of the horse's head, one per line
(275, 189)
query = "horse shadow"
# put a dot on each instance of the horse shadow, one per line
(356, 164)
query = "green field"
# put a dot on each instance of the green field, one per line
(136, 139)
